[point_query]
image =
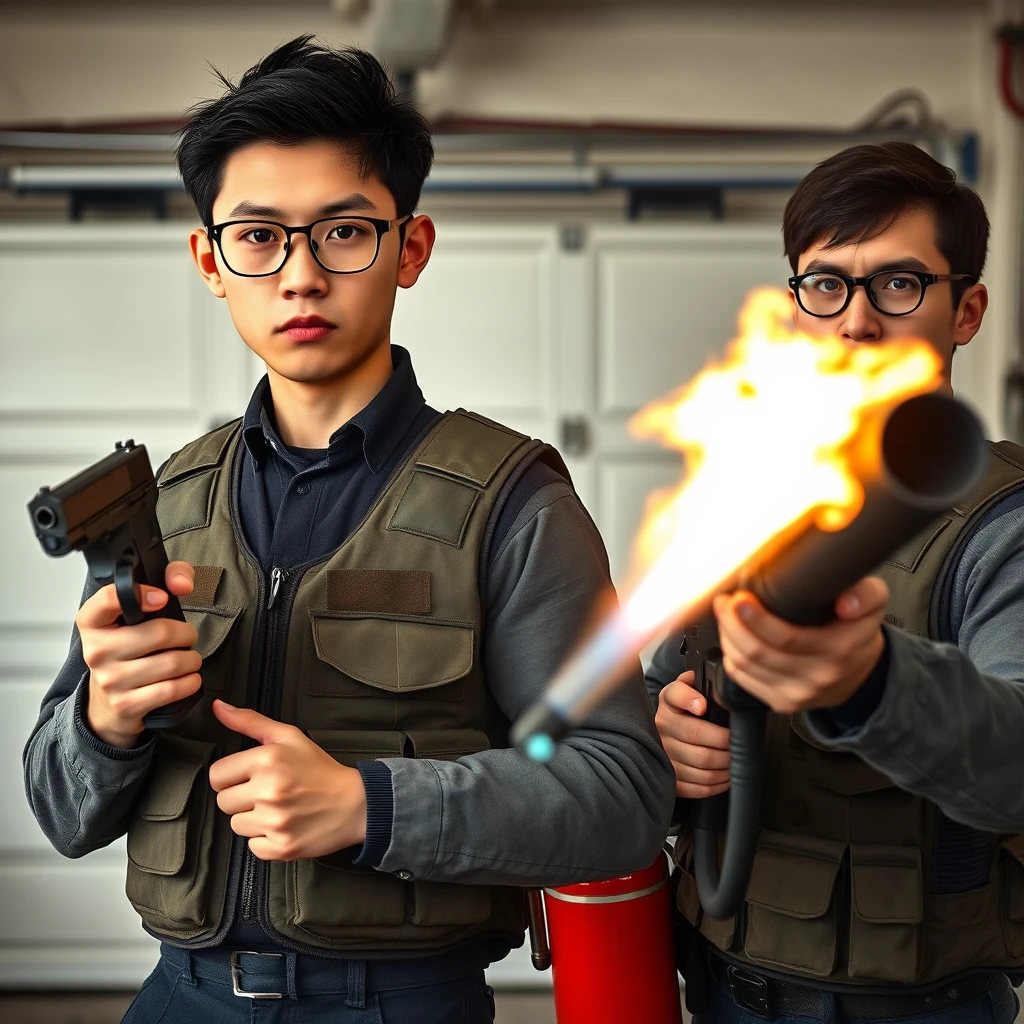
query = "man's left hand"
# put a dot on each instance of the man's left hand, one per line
(796, 668)
(288, 796)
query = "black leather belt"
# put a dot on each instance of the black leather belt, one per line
(768, 998)
(263, 975)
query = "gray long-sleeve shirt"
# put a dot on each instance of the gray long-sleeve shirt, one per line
(949, 724)
(598, 809)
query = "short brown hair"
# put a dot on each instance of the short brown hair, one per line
(861, 191)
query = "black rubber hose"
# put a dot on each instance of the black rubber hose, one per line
(722, 890)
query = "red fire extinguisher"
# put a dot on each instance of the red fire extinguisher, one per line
(610, 948)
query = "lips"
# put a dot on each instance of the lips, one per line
(307, 328)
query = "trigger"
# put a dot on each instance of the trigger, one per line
(124, 586)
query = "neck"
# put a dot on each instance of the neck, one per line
(309, 412)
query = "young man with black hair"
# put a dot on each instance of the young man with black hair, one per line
(373, 590)
(889, 877)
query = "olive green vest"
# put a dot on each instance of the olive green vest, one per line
(847, 887)
(375, 651)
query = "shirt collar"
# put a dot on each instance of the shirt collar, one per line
(382, 424)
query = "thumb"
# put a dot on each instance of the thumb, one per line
(250, 723)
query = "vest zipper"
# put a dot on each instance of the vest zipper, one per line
(264, 694)
(275, 585)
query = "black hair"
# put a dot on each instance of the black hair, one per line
(304, 92)
(861, 191)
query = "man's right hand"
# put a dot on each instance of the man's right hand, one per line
(127, 677)
(698, 750)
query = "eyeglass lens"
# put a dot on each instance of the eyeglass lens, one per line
(256, 247)
(894, 293)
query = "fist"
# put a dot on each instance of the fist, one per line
(135, 669)
(698, 750)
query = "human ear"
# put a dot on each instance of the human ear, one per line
(419, 241)
(970, 313)
(206, 261)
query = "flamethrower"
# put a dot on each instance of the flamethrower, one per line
(108, 512)
(872, 474)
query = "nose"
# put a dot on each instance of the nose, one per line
(301, 274)
(860, 321)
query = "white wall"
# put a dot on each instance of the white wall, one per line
(784, 63)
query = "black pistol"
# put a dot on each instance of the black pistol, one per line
(108, 512)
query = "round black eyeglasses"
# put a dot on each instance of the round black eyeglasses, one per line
(892, 292)
(341, 245)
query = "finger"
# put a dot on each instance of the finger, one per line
(129, 643)
(700, 776)
(137, 703)
(252, 724)
(708, 758)
(234, 769)
(236, 799)
(866, 597)
(248, 825)
(180, 578)
(263, 849)
(742, 611)
(682, 697)
(691, 729)
(689, 791)
(121, 676)
(104, 609)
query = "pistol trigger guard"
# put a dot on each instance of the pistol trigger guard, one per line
(124, 585)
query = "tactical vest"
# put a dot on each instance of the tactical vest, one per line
(856, 882)
(375, 651)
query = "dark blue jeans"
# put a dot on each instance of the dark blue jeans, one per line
(996, 1007)
(174, 994)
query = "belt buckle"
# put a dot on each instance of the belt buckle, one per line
(749, 991)
(237, 973)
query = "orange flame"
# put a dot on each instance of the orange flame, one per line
(767, 437)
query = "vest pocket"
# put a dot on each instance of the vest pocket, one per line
(330, 895)
(358, 657)
(1013, 894)
(791, 913)
(166, 876)
(886, 912)
(214, 626)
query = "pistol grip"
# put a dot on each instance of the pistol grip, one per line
(174, 714)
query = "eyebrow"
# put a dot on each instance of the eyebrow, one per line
(904, 263)
(356, 201)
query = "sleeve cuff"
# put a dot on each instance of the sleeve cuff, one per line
(380, 812)
(93, 742)
(854, 714)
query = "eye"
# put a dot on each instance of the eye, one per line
(258, 236)
(901, 284)
(345, 232)
(826, 285)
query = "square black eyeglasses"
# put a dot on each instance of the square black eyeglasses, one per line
(892, 292)
(341, 245)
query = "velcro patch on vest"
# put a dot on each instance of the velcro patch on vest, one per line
(468, 448)
(379, 591)
(436, 507)
(204, 588)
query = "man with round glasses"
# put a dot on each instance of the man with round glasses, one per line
(888, 883)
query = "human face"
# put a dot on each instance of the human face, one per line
(907, 244)
(296, 185)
